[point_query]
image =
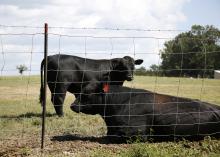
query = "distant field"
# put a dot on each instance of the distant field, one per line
(20, 121)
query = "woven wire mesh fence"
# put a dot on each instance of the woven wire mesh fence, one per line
(21, 110)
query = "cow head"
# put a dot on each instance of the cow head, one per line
(124, 67)
(87, 104)
(90, 100)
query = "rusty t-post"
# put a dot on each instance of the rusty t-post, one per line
(45, 84)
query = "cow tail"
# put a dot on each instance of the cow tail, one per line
(41, 99)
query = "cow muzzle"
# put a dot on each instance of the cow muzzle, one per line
(75, 107)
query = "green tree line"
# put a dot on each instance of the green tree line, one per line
(195, 53)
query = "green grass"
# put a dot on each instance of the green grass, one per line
(205, 148)
(202, 89)
(20, 120)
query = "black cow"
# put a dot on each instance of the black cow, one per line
(72, 73)
(136, 112)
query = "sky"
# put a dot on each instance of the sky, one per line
(67, 21)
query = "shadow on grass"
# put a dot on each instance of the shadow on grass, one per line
(27, 115)
(116, 140)
(70, 137)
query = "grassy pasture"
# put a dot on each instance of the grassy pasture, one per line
(20, 122)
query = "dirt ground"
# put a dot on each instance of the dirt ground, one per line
(75, 146)
(67, 145)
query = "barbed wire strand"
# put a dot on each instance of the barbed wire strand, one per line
(75, 52)
(97, 28)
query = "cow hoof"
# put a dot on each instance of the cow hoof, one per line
(61, 115)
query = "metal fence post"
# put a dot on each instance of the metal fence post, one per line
(45, 84)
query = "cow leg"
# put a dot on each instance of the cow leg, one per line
(57, 98)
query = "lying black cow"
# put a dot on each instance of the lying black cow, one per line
(71, 73)
(136, 112)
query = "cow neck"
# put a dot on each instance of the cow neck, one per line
(113, 95)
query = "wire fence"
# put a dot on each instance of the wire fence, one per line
(21, 113)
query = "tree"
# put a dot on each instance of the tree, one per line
(154, 67)
(155, 70)
(21, 68)
(140, 71)
(192, 53)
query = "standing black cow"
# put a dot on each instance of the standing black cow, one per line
(136, 112)
(72, 73)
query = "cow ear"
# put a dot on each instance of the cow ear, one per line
(138, 61)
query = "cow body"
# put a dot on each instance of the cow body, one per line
(72, 73)
(136, 112)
